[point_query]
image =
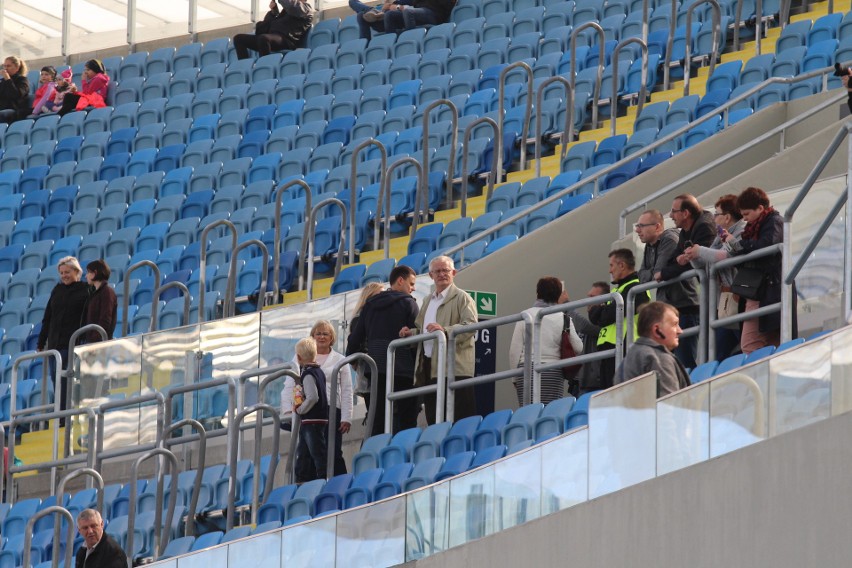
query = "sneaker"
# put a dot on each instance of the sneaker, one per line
(373, 16)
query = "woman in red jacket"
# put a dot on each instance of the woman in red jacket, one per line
(94, 92)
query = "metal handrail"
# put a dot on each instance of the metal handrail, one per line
(279, 198)
(452, 337)
(383, 202)
(311, 228)
(569, 117)
(421, 199)
(232, 461)
(100, 453)
(353, 188)
(261, 291)
(294, 433)
(69, 536)
(60, 498)
(440, 379)
(202, 267)
(573, 73)
(332, 403)
(167, 441)
(454, 139)
(182, 389)
(677, 185)
(670, 44)
(160, 539)
(155, 325)
(758, 30)
(465, 172)
(630, 309)
(711, 319)
(538, 367)
(498, 146)
(643, 89)
(717, 33)
(125, 300)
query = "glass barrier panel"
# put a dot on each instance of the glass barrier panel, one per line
(738, 408)
(841, 371)
(472, 506)
(281, 329)
(565, 472)
(517, 489)
(622, 436)
(427, 521)
(800, 391)
(217, 556)
(683, 428)
(309, 544)
(373, 535)
(164, 356)
(261, 550)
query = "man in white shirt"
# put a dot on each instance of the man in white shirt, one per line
(100, 550)
(448, 306)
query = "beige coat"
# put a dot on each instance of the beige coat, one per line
(457, 309)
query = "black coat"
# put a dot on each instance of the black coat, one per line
(381, 318)
(101, 309)
(292, 23)
(107, 554)
(684, 295)
(63, 315)
(15, 95)
(771, 232)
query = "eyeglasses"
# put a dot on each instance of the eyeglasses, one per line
(442, 271)
(676, 211)
(322, 333)
(643, 225)
(717, 214)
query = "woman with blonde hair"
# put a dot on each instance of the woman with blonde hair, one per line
(14, 90)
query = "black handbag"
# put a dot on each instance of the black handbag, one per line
(749, 283)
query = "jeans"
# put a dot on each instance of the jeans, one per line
(394, 21)
(311, 452)
(687, 350)
(727, 341)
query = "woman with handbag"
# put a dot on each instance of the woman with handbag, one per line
(730, 225)
(549, 291)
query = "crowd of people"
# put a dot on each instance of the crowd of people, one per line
(56, 92)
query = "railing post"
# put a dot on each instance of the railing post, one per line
(202, 459)
(353, 190)
(60, 494)
(717, 19)
(312, 233)
(160, 540)
(454, 138)
(232, 460)
(264, 284)
(384, 196)
(125, 302)
(465, 171)
(155, 325)
(276, 260)
(439, 387)
(601, 61)
(501, 118)
(613, 113)
(569, 118)
(332, 404)
(202, 265)
(69, 536)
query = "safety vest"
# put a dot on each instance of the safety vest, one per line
(607, 333)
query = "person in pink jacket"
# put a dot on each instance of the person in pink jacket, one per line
(94, 91)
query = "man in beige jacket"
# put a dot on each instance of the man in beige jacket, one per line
(447, 306)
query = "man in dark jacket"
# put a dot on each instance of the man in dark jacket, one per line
(697, 227)
(382, 316)
(395, 16)
(279, 30)
(100, 550)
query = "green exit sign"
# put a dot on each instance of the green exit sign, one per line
(486, 302)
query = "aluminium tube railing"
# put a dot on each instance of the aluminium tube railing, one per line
(677, 185)
(86, 459)
(669, 43)
(643, 89)
(573, 71)
(383, 203)
(538, 367)
(465, 171)
(421, 199)
(454, 140)
(501, 103)
(332, 403)
(276, 253)
(792, 269)
(295, 422)
(125, 299)
(439, 387)
(168, 441)
(262, 290)
(69, 534)
(700, 330)
(60, 498)
(232, 460)
(311, 229)
(353, 188)
(155, 324)
(202, 267)
(711, 319)
(161, 537)
(758, 29)
(539, 127)
(512, 373)
(180, 390)
(714, 50)
(103, 409)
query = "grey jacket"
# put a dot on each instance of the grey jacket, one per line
(645, 356)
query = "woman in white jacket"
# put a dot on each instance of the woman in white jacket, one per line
(548, 291)
(326, 336)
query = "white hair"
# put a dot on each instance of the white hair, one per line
(442, 258)
(72, 262)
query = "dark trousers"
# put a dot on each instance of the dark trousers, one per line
(311, 452)
(465, 402)
(405, 410)
(727, 340)
(339, 462)
(687, 349)
(607, 367)
(63, 381)
(263, 44)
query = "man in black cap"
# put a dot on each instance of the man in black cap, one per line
(279, 29)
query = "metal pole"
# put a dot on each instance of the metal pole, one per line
(427, 167)
(202, 264)
(498, 144)
(276, 247)
(353, 191)
(312, 234)
(465, 171)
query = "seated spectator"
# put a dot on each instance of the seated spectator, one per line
(279, 30)
(94, 92)
(659, 333)
(14, 90)
(44, 93)
(400, 15)
(62, 87)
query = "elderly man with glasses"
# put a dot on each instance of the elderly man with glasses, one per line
(446, 307)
